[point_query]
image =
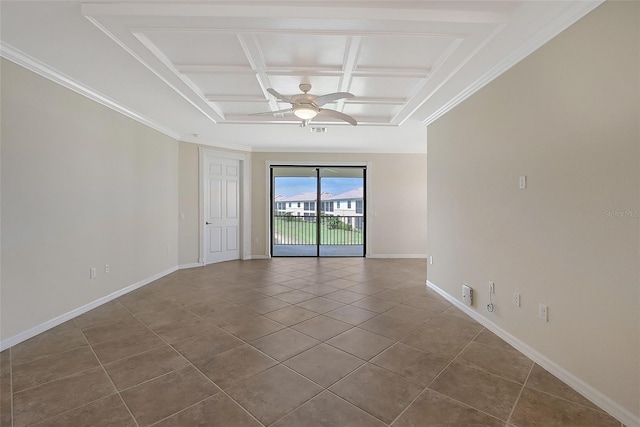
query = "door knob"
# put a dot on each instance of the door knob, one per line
(208, 223)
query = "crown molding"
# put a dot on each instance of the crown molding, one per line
(541, 37)
(24, 60)
(214, 144)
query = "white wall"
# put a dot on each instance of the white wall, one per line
(567, 117)
(397, 195)
(82, 186)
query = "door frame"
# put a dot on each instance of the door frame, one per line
(367, 197)
(244, 237)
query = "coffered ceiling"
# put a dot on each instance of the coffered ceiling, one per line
(199, 70)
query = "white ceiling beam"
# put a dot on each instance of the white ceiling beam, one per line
(252, 50)
(214, 69)
(375, 101)
(349, 65)
(234, 98)
(246, 9)
(392, 72)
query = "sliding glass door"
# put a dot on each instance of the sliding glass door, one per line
(318, 210)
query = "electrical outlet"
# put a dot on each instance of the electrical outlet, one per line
(543, 312)
(516, 299)
(93, 272)
(492, 289)
(523, 182)
(107, 269)
(430, 259)
(467, 295)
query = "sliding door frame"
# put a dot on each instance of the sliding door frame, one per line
(269, 196)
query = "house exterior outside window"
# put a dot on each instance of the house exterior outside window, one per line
(348, 205)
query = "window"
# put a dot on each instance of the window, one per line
(338, 204)
(349, 204)
(327, 206)
(289, 204)
(359, 207)
(298, 204)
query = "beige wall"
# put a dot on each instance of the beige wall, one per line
(567, 118)
(397, 184)
(82, 186)
(189, 236)
(397, 194)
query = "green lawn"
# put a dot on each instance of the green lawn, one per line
(300, 232)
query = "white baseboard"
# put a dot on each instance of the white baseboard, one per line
(396, 255)
(605, 403)
(30, 333)
(191, 265)
(259, 257)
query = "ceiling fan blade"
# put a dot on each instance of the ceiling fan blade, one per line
(338, 115)
(273, 113)
(279, 96)
(330, 97)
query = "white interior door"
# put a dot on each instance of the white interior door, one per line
(222, 209)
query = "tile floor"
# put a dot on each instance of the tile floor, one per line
(282, 342)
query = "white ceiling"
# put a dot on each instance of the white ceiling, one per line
(198, 70)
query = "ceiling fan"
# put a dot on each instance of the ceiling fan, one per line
(306, 106)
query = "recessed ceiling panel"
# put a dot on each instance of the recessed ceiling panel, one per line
(227, 85)
(303, 50)
(408, 52)
(385, 87)
(371, 110)
(199, 47)
(242, 108)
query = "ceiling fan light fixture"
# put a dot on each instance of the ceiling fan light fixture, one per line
(305, 112)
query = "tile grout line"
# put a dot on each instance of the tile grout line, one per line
(481, 369)
(55, 379)
(515, 403)
(573, 402)
(454, 358)
(466, 405)
(345, 400)
(427, 386)
(191, 364)
(75, 373)
(368, 361)
(436, 377)
(107, 374)
(303, 403)
(202, 373)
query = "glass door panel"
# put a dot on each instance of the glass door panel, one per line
(342, 191)
(294, 207)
